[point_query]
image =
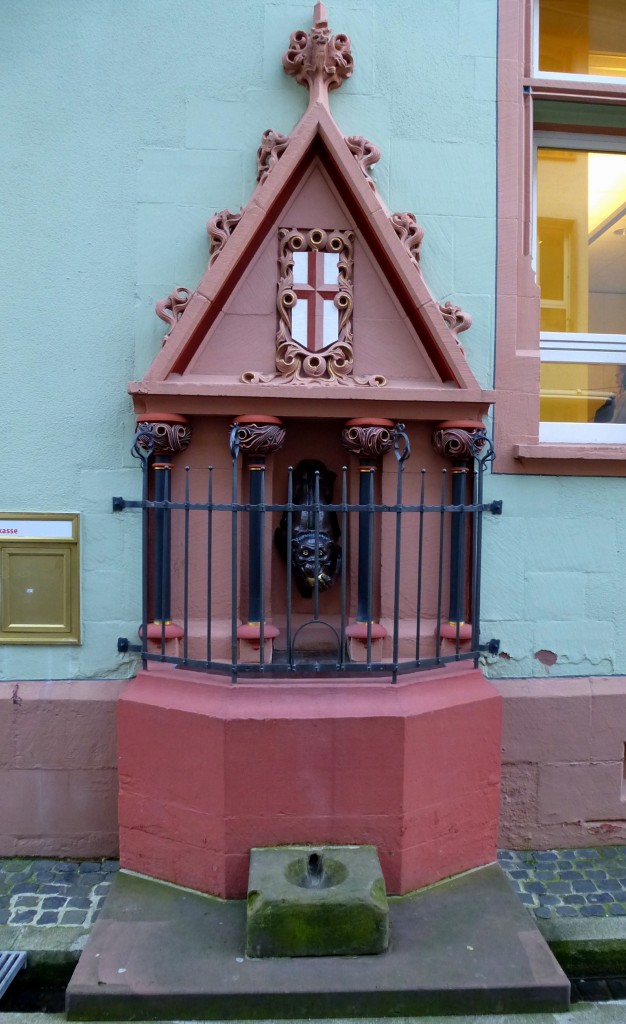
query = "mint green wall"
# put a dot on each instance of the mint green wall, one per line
(126, 124)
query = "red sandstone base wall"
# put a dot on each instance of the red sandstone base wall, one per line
(58, 768)
(209, 770)
(563, 765)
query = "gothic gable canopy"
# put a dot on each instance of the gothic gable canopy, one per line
(314, 289)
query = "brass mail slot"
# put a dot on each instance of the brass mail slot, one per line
(39, 579)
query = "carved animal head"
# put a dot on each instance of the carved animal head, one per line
(304, 555)
(309, 544)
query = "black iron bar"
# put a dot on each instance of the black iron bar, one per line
(420, 561)
(316, 552)
(186, 573)
(396, 588)
(366, 503)
(256, 471)
(233, 568)
(145, 514)
(209, 594)
(260, 555)
(478, 567)
(440, 573)
(344, 564)
(288, 573)
(163, 547)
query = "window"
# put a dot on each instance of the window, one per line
(561, 318)
(580, 38)
(580, 259)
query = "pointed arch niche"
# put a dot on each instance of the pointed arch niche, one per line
(312, 320)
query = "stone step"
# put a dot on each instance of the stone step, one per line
(463, 946)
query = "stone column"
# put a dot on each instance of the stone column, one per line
(160, 435)
(460, 441)
(368, 439)
(257, 437)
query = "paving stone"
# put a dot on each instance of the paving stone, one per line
(53, 889)
(79, 902)
(14, 865)
(527, 899)
(543, 875)
(53, 902)
(26, 901)
(612, 885)
(617, 910)
(89, 866)
(104, 887)
(575, 899)
(48, 917)
(549, 901)
(559, 887)
(570, 875)
(23, 917)
(73, 917)
(593, 911)
(515, 885)
(566, 912)
(584, 886)
(545, 855)
(596, 876)
(543, 912)
(518, 873)
(536, 887)
(65, 868)
(600, 897)
(24, 887)
(4, 916)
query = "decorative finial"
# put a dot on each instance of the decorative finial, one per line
(318, 60)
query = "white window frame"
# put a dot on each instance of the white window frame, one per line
(564, 76)
(569, 347)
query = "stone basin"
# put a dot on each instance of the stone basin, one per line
(316, 901)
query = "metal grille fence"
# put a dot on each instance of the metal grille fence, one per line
(432, 545)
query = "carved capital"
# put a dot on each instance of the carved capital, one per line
(365, 153)
(162, 434)
(410, 233)
(272, 147)
(219, 229)
(258, 435)
(455, 317)
(172, 308)
(460, 440)
(365, 437)
(318, 60)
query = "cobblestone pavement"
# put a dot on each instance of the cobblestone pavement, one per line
(569, 883)
(53, 892)
(551, 884)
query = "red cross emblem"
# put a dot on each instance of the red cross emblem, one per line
(317, 294)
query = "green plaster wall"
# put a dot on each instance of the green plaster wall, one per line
(126, 124)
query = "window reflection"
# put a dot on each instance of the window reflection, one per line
(583, 37)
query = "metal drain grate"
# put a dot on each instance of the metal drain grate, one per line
(10, 964)
(598, 990)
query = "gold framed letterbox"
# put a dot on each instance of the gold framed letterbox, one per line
(39, 578)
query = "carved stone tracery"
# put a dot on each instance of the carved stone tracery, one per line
(219, 229)
(259, 438)
(456, 318)
(367, 439)
(460, 441)
(317, 57)
(410, 233)
(172, 308)
(333, 363)
(162, 437)
(272, 147)
(365, 153)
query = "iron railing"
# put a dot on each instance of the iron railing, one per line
(429, 548)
